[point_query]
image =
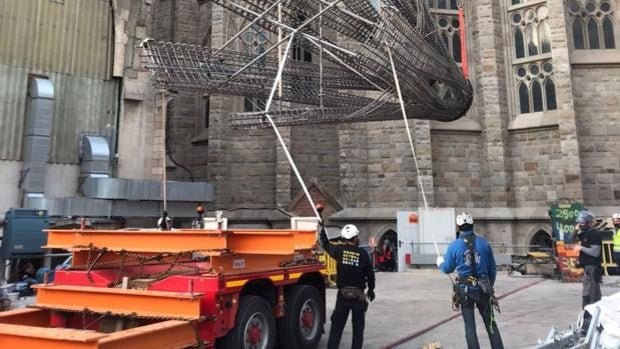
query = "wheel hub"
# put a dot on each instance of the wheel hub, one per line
(307, 318)
(254, 334)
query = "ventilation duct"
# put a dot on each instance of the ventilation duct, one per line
(39, 114)
(95, 157)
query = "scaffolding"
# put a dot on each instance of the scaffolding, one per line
(351, 83)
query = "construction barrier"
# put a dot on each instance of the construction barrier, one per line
(607, 253)
(330, 266)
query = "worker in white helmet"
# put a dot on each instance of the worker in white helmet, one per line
(616, 240)
(354, 270)
(471, 256)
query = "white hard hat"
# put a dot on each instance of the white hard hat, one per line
(349, 231)
(464, 218)
(616, 216)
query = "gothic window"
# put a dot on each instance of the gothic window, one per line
(550, 94)
(535, 87)
(592, 24)
(443, 4)
(544, 34)
(524, 99)
(456, 47)
(301, 54)
(519, 50)
(255, 42)
(449, 30)
(532, 35)
(578, 40)
(608, 33)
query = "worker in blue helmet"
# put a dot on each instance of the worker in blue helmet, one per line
(471, 256)
(590, 260)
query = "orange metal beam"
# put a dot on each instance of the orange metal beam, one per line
(274, 242)
(120, 301)
(163, 335)
(17, 336)
(26, 317)
(137, 240)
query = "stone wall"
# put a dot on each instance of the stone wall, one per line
(353, 155)
(596, 92)
(456, 169)
(537, 167)
(315, 151)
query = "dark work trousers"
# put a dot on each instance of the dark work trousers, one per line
(617, 261)
(592, 277)
(339, 320)
(482, 302)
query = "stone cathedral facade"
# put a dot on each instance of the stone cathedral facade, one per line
(544, 125)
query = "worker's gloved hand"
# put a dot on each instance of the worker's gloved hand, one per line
(439, 261)
(371, 295)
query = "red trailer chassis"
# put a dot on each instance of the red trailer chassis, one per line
(176, 289)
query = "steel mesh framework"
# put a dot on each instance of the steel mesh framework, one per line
(356, 82)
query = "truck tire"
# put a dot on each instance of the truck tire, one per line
(255, 326)
(302, 326)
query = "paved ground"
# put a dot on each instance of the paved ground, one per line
(410, 301)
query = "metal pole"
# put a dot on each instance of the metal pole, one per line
(163, 147)
(321, 57)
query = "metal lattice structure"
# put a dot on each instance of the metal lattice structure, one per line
(353, 84)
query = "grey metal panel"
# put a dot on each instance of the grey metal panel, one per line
(75, 37)
(144, 190)
(83, 106)
(12, 109)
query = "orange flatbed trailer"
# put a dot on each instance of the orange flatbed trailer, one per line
(144, 288)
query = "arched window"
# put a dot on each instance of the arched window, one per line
(441, 4)
(456, 47)
(519, 49)
(516, 2)
(552, 104)
(254, 43)
(524, 99)
(593, 34)
(592, 23)
(578, 34)
(531, 35)
(537, 98)
(544, 34)
(608, 33)
(454, 5)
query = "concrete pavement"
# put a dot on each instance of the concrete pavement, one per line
(410, 301)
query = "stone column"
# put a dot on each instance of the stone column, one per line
(564, 91)
(488, 65)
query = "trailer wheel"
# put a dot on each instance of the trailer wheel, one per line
(255, 325)
(302, 326)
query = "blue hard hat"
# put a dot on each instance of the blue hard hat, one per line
(584, 217)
